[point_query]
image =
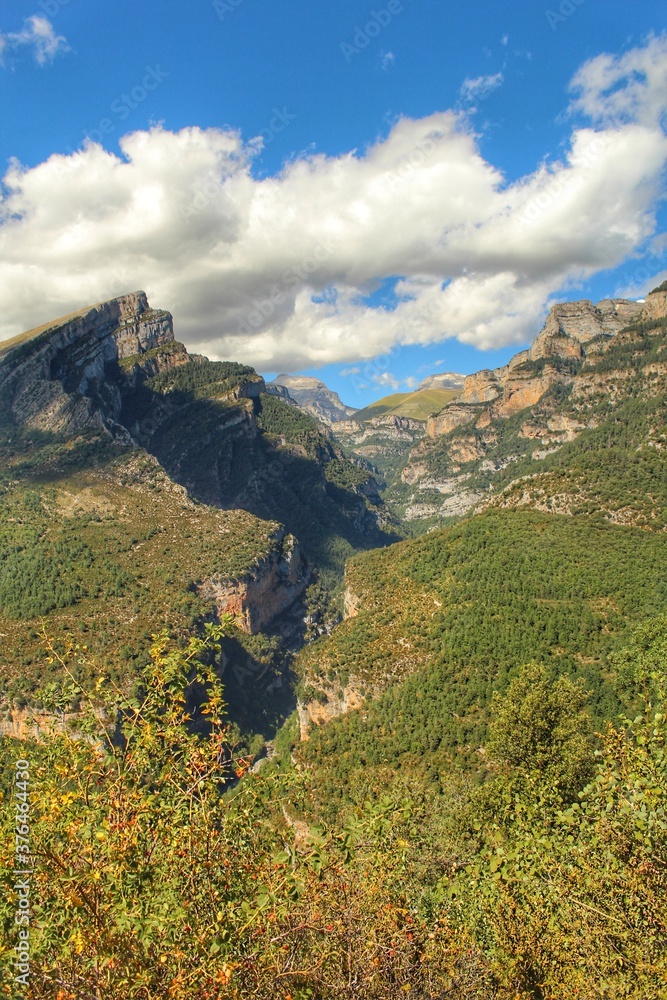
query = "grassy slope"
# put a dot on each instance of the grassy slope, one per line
(418, 405)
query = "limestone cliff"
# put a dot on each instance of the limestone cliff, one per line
(380, 444)
(327, 705)
(268, 589)
(551, 358)
(54, 378)
(465, 443)
(313, 396)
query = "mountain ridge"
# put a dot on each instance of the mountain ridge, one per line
(115, 443)
(314, 397)
(553, 384)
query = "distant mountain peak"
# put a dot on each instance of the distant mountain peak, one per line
(313, 396)
(443, 380)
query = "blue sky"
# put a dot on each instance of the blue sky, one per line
(318, 83)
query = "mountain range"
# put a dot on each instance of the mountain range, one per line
(426, 628)
(141, 484)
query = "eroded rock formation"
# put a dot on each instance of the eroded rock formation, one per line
(55, 378)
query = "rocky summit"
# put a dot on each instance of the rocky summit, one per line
(443, 380)
(54, 378)
(314, 397)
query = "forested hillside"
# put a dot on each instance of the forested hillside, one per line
(444, 621)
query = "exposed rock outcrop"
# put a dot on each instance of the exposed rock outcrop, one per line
(389, 424)
(281, 391)
(54, 378)
(443, 380)
(655, 306)
(267, 591)
(454, 415)
(570, 326)
(563, 363)
(482, 387)
(329, 705)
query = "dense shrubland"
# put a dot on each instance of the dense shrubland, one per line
(164, 869)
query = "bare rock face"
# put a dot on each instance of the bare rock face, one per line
(522, 391)
(387, 425)
(618, 313)
(549, 346)
(570, 325)
(569, 328)
(482, 387)
(655, 306)
(565, 353)
(331, 704)
(583, 321)
(517, 360)
(272, 587)
(313, 396)
(54, 378)
(414, 471)
(454, 415)
(467, 449)
(350, 603)
(443, 380)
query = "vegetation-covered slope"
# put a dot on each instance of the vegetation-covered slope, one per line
(463, 821)
(232, 445)
(548, 881)
(156, 491)
(441, 622)
(418, 405)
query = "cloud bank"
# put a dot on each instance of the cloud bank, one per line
(277, 271)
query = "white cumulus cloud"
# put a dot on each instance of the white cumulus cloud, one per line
(386, 380)
(278, 271)
(631, 87)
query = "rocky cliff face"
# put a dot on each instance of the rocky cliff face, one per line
(313, 397)
(338, 700)
(266, 591)
(367, 438)
(529, 375)
(380, 444)
(464, 442)
(569, 327)
(655, 306)
(55, 378)
(114, 389)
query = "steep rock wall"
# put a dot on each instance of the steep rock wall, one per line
(55, 380)
(270, 588)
